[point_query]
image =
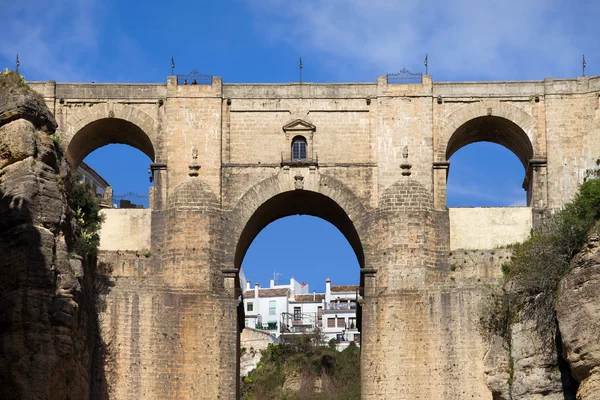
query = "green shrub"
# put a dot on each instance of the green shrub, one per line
(307, 360)
(538, 264)
(87, 208)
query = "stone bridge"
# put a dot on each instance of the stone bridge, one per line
(372, 159)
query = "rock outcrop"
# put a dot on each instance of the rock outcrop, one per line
(578, 314)
(46, 317)
(525, 369)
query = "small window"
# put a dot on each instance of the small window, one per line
(331, 322)
(341, 323)
(250, 307)
(272, 307)
(297, 314)
(299, 148)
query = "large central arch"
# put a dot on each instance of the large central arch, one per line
(304, 192)
(289, 194)
(302, 202)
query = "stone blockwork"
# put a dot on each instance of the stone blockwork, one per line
(376, 167)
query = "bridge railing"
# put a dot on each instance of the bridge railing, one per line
(404, 77)
(194, 78)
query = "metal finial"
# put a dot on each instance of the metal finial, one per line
(583, 64)
(426, 64)
(300, 69)
(172, 66)
(17, 63)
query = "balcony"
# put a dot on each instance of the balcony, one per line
(309, 160)
(340, 306)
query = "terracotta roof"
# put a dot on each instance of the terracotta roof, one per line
(267, 293)
(344, 288)
(309, 298)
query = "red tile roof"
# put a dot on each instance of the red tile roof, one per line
(275, 292)
(309, 298)
(344, 288)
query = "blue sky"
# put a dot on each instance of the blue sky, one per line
(338, 40)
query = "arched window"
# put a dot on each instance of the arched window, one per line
(299, 148)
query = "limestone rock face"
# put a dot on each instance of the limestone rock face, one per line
(578, 314)
(46, 322)
(497, 368)
(529, 371)
(536, 374)
(17, 101)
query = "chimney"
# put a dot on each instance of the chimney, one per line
(272, 283)
(247, 285)
(328, 290)
(292, 285)
(256, 286)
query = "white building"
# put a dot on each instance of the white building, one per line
(290, 310)
(97, 184)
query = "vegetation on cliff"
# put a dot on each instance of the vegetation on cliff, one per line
(304, 370)
(538, 265)
(87, 208)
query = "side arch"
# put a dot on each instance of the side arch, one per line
(493, 121)
(279, 196)
(102, 124)
(497, 122)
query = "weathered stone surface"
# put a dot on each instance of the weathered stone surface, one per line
(17, 142)
(46, 322)
(497, 368)
(252, 341)
(535, 365)
(578, 314)
(18, 101)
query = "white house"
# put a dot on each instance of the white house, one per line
(339, 313)
(290, 310)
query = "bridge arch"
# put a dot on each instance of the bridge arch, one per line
(101, 124)
(496, 122)
(286, 194)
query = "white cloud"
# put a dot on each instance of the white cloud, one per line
(508, 39)
(54, 40)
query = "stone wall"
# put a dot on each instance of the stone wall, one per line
(252, 341)
(488, 227)
(125, 229)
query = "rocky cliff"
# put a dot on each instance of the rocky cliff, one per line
(46, 317)
(523, 365)
(578, 314)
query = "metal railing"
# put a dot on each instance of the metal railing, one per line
(287, 159)
(298, 322)
(194, 78)
(340, 306)
(404, 77)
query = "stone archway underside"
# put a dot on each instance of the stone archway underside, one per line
(492, 129)
(108, 131)
(294, 203)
